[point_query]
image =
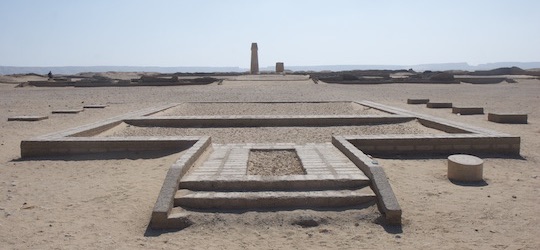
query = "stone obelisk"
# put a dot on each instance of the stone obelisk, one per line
(254, 59)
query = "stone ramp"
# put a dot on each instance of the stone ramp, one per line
(222, 181)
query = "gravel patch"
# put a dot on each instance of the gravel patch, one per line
(274, 163)
(299, 135)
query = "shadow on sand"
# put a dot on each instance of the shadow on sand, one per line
(445, 156)
(103, 156)
(391, 229)
(481, 183)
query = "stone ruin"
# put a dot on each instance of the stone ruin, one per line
(254, 68)
(219, 177)
(280, 67)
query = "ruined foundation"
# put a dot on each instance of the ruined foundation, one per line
(333, 173)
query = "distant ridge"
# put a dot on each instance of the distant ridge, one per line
(8, 70)
(418, 67)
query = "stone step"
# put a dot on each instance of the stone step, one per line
(273, 199)
(273, 183)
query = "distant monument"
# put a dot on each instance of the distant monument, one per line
(254, 59)
(280, 67)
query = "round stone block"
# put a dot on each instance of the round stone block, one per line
(466, 168)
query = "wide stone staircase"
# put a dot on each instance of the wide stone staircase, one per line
(222, 182)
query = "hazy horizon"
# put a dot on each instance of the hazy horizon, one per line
(169, 33)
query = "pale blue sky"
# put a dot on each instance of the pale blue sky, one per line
(220, 33)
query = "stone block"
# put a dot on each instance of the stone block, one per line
(480, 147)
(387, 202)
(67, 111)
(28, 118)
(165, 200)
(385, 148)
(424, 147)
(507, 118)
(465, 168)
(280, 68)
(462, 147)
(95, 106)
(468, 110)
(406, 148)
(322, 181)
(417, 101)
(501, 146)
(439, 105)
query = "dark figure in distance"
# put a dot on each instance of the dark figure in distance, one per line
(50, 75)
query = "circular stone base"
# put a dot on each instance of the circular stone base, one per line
(466, 168)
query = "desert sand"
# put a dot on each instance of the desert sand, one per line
(106, 203)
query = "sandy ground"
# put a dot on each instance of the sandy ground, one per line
(106, 202)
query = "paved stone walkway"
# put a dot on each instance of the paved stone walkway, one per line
(321, 161)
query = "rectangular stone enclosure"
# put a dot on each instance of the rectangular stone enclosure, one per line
(330, 173)
(376, 118)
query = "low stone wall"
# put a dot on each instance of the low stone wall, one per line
(88, 145)
(51, 83)
(434, 120)
(264, 121)
(482, 80)
(463, 139)
(97, 129)
(152, 79)
(162, 209)
(432, 144)
(442, 126)
(386, 199)
(95, 84)
(78, 141)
